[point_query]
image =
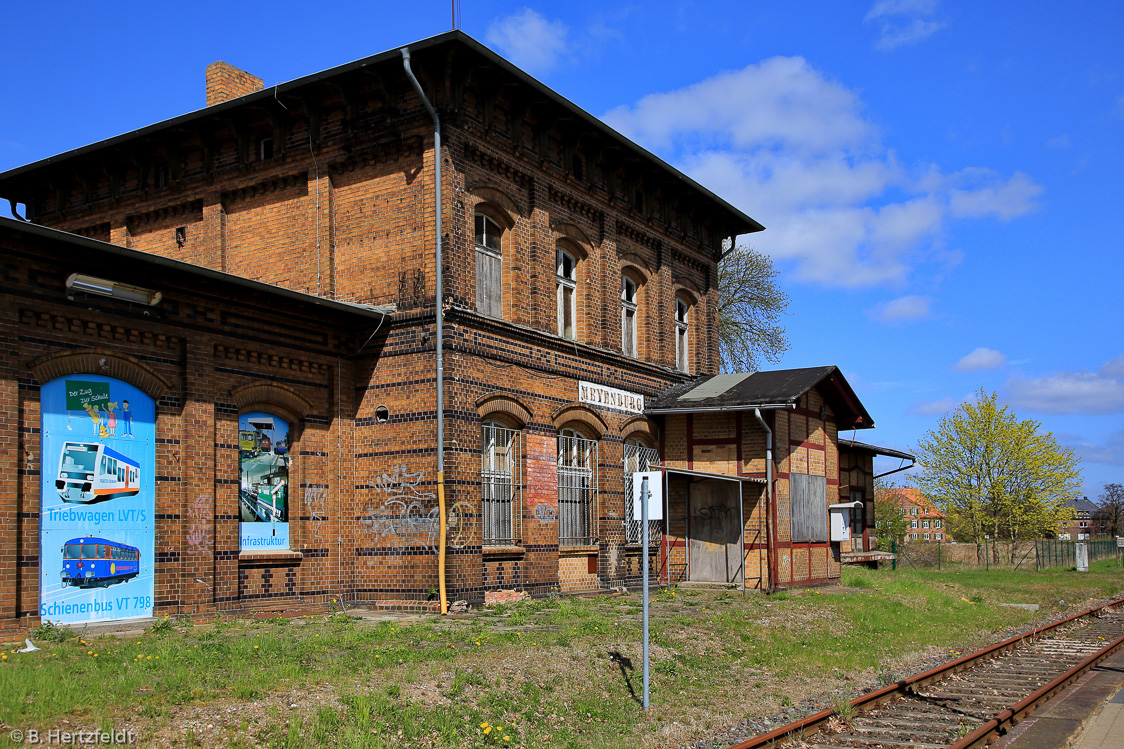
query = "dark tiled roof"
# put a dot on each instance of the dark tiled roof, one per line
(472, 54)
(743, 391)
(1084, 504)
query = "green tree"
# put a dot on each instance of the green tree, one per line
(1108, 520)
(889, 523)
(996, 475)
(749, 310)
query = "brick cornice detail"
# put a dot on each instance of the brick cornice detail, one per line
(505, 403)
(268, 396)
(581, 414)
(102, 362)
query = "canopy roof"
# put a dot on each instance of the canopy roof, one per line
(782, 388)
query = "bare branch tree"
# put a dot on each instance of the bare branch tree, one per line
(749, 310)
(1109, 519)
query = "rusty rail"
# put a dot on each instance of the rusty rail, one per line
(805, 727)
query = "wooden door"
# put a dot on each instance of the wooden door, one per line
(714, 538)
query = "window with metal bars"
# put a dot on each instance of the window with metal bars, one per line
(500, 484)
(577, 489)
(638, 457)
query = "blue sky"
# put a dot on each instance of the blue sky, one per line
(940, 181)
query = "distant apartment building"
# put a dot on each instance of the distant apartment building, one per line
(1080, 527)
(926, 521)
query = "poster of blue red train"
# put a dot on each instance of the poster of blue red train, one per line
(263, 458)
(97, 503)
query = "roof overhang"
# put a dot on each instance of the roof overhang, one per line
(13, 226)
(716, 476)
(863, 447)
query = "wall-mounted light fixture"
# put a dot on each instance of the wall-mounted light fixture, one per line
(103, 287)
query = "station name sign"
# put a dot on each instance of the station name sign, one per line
(610, 398)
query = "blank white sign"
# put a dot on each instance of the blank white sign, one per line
(655, 494)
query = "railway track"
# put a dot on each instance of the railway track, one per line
(967, 702)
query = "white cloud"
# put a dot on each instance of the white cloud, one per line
(1111, 451)
(1072, 392)
(935, 408)
(781, 101)
(794, 149)
(902, 22)
(1004, 200)
(529, 40)
(902, 309)
(1113, 368)
(981, 359)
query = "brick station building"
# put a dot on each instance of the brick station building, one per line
(264, 270)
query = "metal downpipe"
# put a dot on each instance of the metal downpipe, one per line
(770, 542)
(440, 312)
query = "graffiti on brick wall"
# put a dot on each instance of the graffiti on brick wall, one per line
(314, 499)
(411, 288)
(198, 535)
(461, 522)
(545, 513)
(402, 514)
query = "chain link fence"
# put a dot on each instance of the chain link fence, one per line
(1037, 554)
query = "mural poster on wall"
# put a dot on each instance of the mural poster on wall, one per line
(263, 459)
(97, 500)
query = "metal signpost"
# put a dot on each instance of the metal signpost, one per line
(644, 499)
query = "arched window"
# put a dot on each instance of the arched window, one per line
(567, 277)
(577, 470)
(500, 484)
(628, 316)
(682, 342)
(489, 266)
(639, 456)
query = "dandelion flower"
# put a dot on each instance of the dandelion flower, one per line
(484, 724)
(5, 656)
(255, 647)
(488, 730)
(89, 652)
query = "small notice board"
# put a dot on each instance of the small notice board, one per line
(655, 494)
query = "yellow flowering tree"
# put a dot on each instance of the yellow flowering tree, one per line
(996, 475)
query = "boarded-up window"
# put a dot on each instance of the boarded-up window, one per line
(808, 497)
(489, 267)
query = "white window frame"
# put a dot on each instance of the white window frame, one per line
(682, 335)
(488, 252)
(630, 292)
(567, 280)
(500, 484)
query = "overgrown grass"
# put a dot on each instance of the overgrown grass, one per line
(543, 673)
